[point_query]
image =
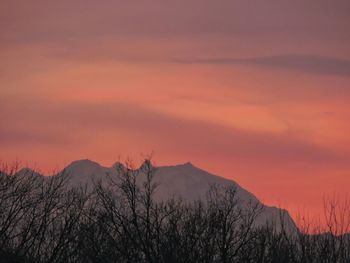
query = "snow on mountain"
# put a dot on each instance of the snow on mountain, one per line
(183, 181)
(85, 172)
(191, 183)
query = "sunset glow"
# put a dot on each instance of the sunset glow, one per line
(255, 91)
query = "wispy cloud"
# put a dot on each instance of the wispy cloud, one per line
(24, 137)
(305, 63)
(168, 132)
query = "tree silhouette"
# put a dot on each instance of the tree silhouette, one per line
(45, 219)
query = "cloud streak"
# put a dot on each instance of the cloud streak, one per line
(64, 20)
(23, 137)
(303, 63)
(142, 124)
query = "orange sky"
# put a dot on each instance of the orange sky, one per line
(253, 91)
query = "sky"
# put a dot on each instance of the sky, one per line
(255, 91)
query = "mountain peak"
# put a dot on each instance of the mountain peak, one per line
(84, 162)
(119, 166)
(188, 164)
(28, 172)
(82, 166)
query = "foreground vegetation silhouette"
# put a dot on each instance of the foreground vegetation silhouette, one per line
(45, 219)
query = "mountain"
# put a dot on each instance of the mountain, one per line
(184, 181)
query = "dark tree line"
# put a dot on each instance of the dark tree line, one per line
(44, 219)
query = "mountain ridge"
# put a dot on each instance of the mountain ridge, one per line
(184, 181)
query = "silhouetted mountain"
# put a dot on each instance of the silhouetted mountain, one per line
(183, 181)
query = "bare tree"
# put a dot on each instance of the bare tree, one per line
(44, 219)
